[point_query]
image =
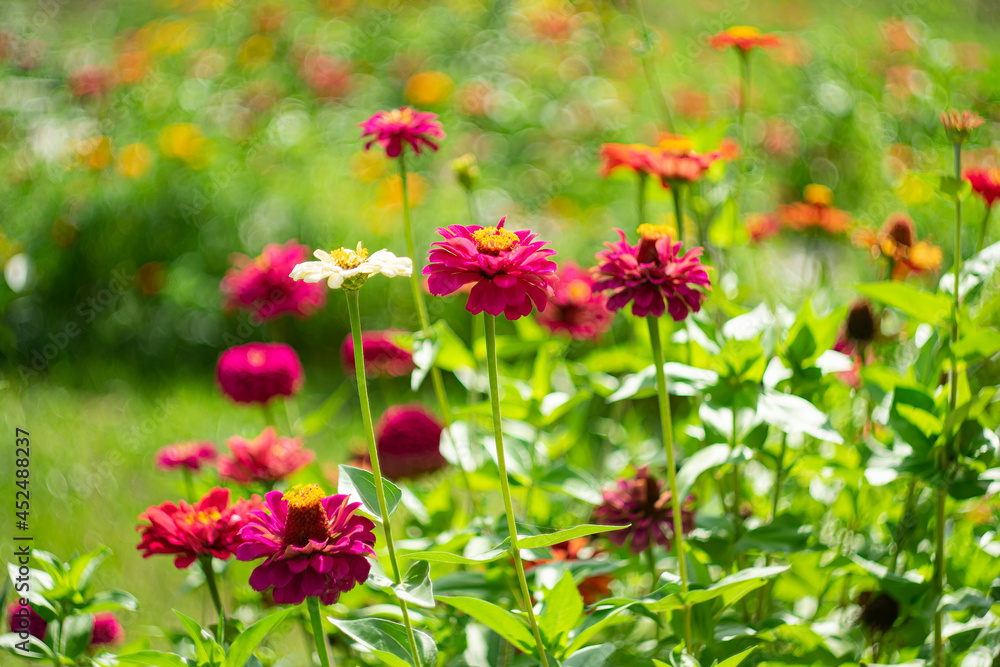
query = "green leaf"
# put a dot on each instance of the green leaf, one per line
(592, 656)
(730, 589)
(682, 380)
(737, 659)
(110, 601)
(975, 272)
(498, 619)
(792, 414)
(361, 485)
(153, 659)
(244, 645)
(416, 586)
(205, 646)
(981, 344)
(82, 568)
(596, 621)
(564, 535)
(75, 634)
(701, 461)
(953, 188)
(496, 553)
(916, 303)
(437, 346)
(561, 609)
(786, 534)
(38, 650)
(388, 641)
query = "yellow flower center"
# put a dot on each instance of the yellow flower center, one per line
(675, 143)
(820, 195)
(494, 240)
(256, 358)
(400, 115)
(743, 32)
(349, 259)
(203, 516)
(650, 232)
(307, 518)
(578, 291)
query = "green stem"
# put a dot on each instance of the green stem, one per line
(905, 523)
(737, 493)
(741, 165)
(471, 202)
(322, 650)
(418, 301)
(268, 415)
(651, 557)
(213, 587)
(366, 416)
(491, 360)
(189, 485)
(763, 601)
(675, 189)
(641, 198)
(668, 444)
(649, 67)
(982, 230)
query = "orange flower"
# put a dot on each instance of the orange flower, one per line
(93, 153)
(427, 89)
(897, 241)
(744, 38)
(132, 66)
(960, 124)
(629, 156)
(761, 226)
(816, 212)
(134, 160)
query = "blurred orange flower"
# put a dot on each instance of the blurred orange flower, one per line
(132, 66)
(900, 35)
(761, 226)
(368, 166)
(93, 153)
(615, 157)
(134, 160)
(390, 190)
(743, 38)
(815, 212)
(897, 242)
(427, 89)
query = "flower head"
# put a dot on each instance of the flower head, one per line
(383, 357)
(674, 160)
(389, 129)
(25, 619)
(349, 269)
(652, 275)
(816, 212)
(189, 456)
(257, 372)
(267, 458)
(408, 439)
(879, 611)
(985, 183)
(264, 288)
(762, 226)
(466, 171)
(210, 527)
(91, 81)
(643, 503)
(960, 124)
(744, 38)
(107, 630)
(897, 241)
(615, 157)
(859, 330)
(510, 271)
(313, 546)
(574, 307)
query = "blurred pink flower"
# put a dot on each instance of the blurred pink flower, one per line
(267, 458)
(390, 129)
(263, 287)
(408, 439)
(257, 372)
(574, 307)
(645, 505)
(107, 630)
(186, 455)
(94, 81)
(329, 78)
(383, 357)
(25, 619)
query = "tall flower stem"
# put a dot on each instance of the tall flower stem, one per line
(744, 58)
(906, 523)
(189, 485)
(649, 67)
(982, 230)
(640, 200)
(213, 588)
(779, 479)
(366, 416)
(666, 424)
(418, 301)
(322, 650)
(491, 360)
(678, 196)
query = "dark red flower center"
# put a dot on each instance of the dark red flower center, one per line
(307, 518)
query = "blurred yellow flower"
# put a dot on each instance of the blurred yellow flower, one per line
(368, 166)
(390, 191)
(184, 141)
(914, 190)
(171, 36)
(426, 89)
(134, 160)
(819, 195)
(93, 153)
(256, 51)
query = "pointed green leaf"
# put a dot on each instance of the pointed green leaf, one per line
(547, 540)
(496, 553)
(498, 619)
(416, 586)
(360, 484)
(205, 646)
(110, 601)
(152, 659)
(561, 609)
(592, 656)
(244, 645)
(701, 461)
(916, 303)
(82, 568)
(75, 634)
(793, 414)
(737, 659)
(388, 641)
(38, 650)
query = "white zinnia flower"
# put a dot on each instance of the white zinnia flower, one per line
(353, 266)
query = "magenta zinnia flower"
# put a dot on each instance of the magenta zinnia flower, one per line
(643, 503)
(257, 372)
(383, 357)
(25, 619)
(186, 455)
(210, 527)
(652, 275)
(389, 129)
(574, 307)
(509, 270)
(107, 630)
(263, 287)
(314, 546)
(267, 458)
(985, 182)
(408, 439)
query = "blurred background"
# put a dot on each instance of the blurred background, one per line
(146, 147)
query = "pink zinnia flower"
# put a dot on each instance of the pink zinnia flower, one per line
(314, 546)
(107, 630)
(389, 129)
(257, 372)
(652, 275)
(643, 503)
(574, 307)
(383, 357)
(408, 439)
(186, 455)
(210, 527)
(267, 458)
(329, 78)
(985, 183)
(510, 270)
(25, 619)
(263, 287)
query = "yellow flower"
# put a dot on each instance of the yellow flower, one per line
(256, 51)
(93, 153)
(368, 166)
(185, 142)
(427, 89)
(134, 160)
(390, 190)
(171, 36)
(819, 195)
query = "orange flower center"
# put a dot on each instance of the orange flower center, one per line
(307, 518)
(400, 115)
(743, 32)
(494, 240)
(256, 358)
(202, 516)
(650, 232)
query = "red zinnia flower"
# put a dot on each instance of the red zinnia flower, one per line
(389, 129)
(257, 372)
(314, 546)
(25, 619)
(624, 156)
(652, 275)
(593, 588)
(674, 160)
(383, 357)
(210, 527)
(267, 458)
(263, 287)
(743, 38)
(408, 439)
(510, 270)
(816, 212)
(643, 503)
(574, 307)
(187, 455)
(107, 630)
(985, 183)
